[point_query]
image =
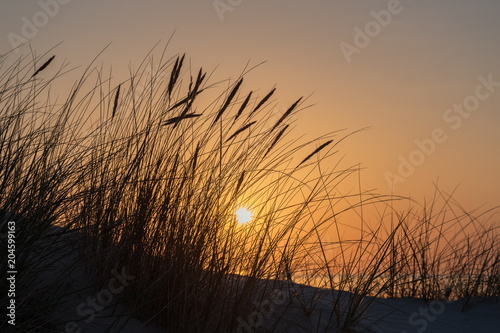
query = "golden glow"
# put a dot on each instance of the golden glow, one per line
(243, 215)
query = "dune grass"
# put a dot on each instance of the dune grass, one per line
(146, 175)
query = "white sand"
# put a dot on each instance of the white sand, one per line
(56, 271)
(396, 315)
(385, 315)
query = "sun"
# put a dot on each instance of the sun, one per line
(243, 215)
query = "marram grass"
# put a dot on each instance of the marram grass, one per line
(142, 174)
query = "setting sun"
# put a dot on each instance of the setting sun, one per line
(243, 215)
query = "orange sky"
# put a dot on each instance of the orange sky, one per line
(401, 67)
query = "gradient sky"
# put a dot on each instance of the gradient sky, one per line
(402, 79)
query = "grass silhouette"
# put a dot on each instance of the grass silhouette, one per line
(141, 175)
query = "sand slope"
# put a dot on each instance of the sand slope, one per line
(298, 309)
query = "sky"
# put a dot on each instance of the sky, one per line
(423, 75)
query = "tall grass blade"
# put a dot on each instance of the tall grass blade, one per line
(228, 100)
(115, 105)
(263, 101)
(317, 150)
(286, 114)
(240, 181)
(276, 139)
(43, 66)
(176, 120)
(240, 130)
(243, 106)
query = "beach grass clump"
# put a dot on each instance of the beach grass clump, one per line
(144, 175)
(150, 181)
(167, 177)
(38, 174)
(445, 252)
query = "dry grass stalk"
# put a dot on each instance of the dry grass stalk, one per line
(263, 101)
(41, 68)
(317, 150)
(286, 114)
(115, 105)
